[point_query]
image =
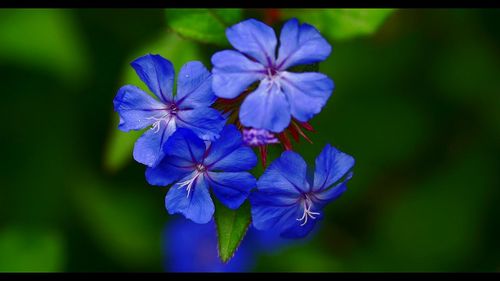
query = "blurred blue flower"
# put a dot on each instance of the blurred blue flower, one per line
(290, 198)
(192, 247)
(190, 108)
(281, 93)
(194, 166)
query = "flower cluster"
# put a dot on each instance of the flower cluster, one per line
(200, 141)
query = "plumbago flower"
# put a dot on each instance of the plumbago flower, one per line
(190, 108)
(192, 166)
(290, 199)
(281, 93)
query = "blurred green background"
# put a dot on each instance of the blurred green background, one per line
(417, 103)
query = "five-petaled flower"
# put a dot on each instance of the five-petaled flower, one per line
(289, 198)
(280, 94)
(192, 166)
(190, 108)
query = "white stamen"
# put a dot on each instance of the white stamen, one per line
(308, 213)
(273, 78)
(156, 125)
(200, 169)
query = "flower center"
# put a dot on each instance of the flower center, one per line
(173, 109)
(200, 169)
(271, 72)
(307, 204)
(170, 113)
(273, 75)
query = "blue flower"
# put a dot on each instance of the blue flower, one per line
(188, 109)
(281, 93)
(192, 166)
(290, 199)
(192, 247)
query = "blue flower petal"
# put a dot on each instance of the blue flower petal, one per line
(287, 173)
(322, 198)
(197, 206)
(136, 108)
(185, 145)
(266, 108)
(148, 148)
(229, 154)
(301, 44)
(157, 73)
(231, 188)
(194, 86)
(274, 210)
(205, 122)
(169, 170)
(271, 210)
(233, 73)
(255, 39)
(297, 230)
(331, 165)
(307, 92)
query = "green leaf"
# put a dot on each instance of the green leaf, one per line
(28, 249)
(203, 25)
(231, 228)
(120, 144)
(341, 24)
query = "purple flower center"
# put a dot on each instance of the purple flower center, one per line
(272, 71)
(200, 168)
(170, 112)
(172, 109)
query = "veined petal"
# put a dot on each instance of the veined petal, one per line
(255, 39)
(270, 213)
(299, 230)
(307, 92)
(196, 206)
(231, 188)
(266, 108)
(233, 73)
(229, 154)
(185, 145)
(301, 44)
(323, 197)
(136, 108)
(331, 165)
(287, 173)
(194, 86)
(205, 122)
(157, 73)
(148, 148)
(169, 170)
